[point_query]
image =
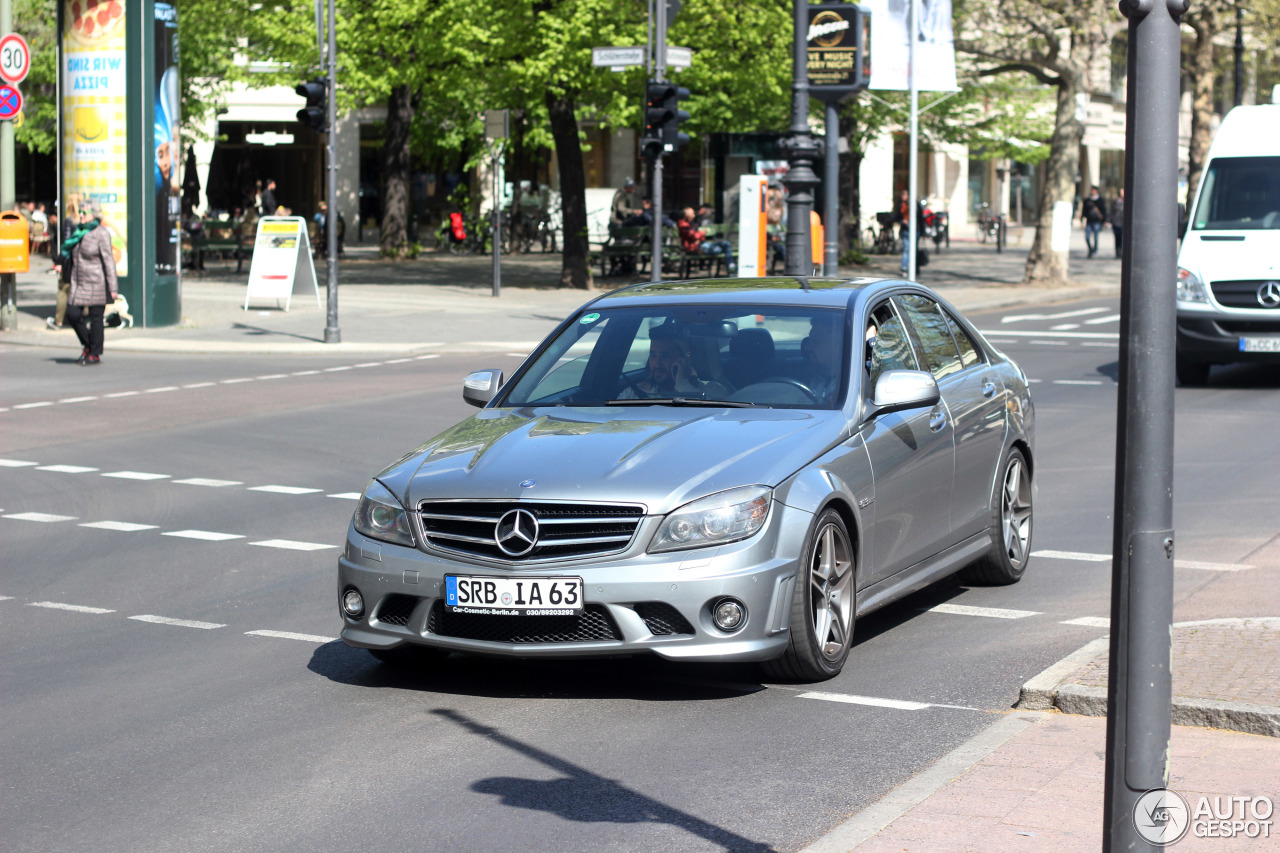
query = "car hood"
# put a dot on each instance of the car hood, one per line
(661, 457)
(1250, 256)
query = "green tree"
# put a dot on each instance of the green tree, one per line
(37, 20)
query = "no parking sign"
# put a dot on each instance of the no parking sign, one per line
(10, 102)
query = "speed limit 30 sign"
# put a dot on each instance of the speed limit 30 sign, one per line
(15, 58)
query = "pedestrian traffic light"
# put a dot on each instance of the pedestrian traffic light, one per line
(662, 118)
(314, 114)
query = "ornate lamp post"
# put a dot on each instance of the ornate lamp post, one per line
(800, 150)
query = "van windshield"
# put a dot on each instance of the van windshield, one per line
(1239, 193)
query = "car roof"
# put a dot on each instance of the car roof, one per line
(780, 290)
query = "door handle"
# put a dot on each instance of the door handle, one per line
(988, 388)
(937, 420)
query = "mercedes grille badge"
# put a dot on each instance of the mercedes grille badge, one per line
(1269, 294)
(516, 533)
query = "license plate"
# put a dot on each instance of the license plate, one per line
(1260, 345)
(493, 596)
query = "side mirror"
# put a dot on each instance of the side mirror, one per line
(904, 389)
(481, 387)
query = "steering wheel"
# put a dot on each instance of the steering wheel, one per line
(794, 383)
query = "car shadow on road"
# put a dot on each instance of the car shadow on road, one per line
(583, 796)
(648, 679)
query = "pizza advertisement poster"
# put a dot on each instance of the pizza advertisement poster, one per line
(94, 113)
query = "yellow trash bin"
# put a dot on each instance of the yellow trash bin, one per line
(15, 246)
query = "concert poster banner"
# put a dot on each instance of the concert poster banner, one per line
(168, 148)
(934, 42)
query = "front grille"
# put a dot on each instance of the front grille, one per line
(396, 609)
(661, 618)
(592, 624)
(1250, 327)
(564, 530)
(1240, 294)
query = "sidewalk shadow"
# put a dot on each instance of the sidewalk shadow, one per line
(258, 331)
(586, 797)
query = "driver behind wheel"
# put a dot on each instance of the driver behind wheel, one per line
(670, 371)
(821, 351)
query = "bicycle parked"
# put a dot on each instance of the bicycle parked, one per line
(883, 240)
(992, 227)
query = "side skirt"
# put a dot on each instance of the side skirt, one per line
(923, 573)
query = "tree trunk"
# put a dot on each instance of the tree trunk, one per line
(575, 269)
(394, 238)
(1045, 266)
(1202, 78)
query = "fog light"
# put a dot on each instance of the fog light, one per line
(728, 614)
(352, 603)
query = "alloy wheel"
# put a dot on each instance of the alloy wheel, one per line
(1015, 512)
(831, 592)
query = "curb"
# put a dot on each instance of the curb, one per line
(1053, 690)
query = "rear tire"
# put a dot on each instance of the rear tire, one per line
(1011, 514)
(822, 607)
(1192, 373)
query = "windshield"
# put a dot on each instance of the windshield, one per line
(739, 355)
(1239, 193)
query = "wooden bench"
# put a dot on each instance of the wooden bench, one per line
(626, 252)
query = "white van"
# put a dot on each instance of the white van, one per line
(1229, 264)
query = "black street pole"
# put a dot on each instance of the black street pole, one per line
(831, 185)
(800, 149)
(332, 334)
(658, 14)
(1239, 57)
(1139, 681)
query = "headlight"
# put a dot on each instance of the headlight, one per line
(714, 520)
(380, 516)
(1190, 287)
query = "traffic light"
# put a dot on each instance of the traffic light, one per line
(662, 118)
(315, 114)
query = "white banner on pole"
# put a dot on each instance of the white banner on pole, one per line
(935, 45)
(753, 238)
(281, 267)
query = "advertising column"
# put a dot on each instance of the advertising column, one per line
(168, 188)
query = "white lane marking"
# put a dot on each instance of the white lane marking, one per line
(181, 623)
(424, 357)
(1097, 320)
(16, 463)
(1089, 622)
(290, 635)
(76, 608)
(866, 700)
(273, 376)
(291, 545)
(304, 373)
(206, 535)
(284, 490)
(336, 369)
(1084, 336)
(991, 612)
(1029, 381)
(66, 469)
(399, 360)
(235, 381)
(123, 394)
(161, 390)
(1096, 344)
(370, 364)
(1180, 564)
(1073, 555)
(1049, 343)
(989, 340)
(204, 481)
(1064, 327)
(6, 598)
(34, 405)
(78, 399)
(200, 385)
(1014, 318)
(515, 354)
(1077, 382)
(136, 475)
(347, 496)
(45, 517)
(126, 526)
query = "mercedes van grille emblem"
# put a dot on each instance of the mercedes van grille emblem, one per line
(1269, 294)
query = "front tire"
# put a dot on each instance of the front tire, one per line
(1011, 514)
(822, 608)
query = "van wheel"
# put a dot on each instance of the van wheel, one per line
(1192, 373)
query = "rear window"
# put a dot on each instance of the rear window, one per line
(1239, 193)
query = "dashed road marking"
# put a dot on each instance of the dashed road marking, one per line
(305, 373)
(1180, 564)
(1077, 382)
(204, 535)
(39, 405)
(370, 364)
(1096, 344)
(161, 390)
(284, 490)
(1049, 343)
(136, 475)
(45, 517)
(291, 545)
(336, 369)
(205, 481)
(16, 463)
(990, 612)
(1081, 312)
(1089, 622)
(272, 376)
(400, 361)
(122, 394)
(1084, 336)
(424, 357)
(1064, 327)
(346, 496)
(1073, 555)
(1210, 567)
(181, 623)
(78, 399)
(200, 385)
(75, 608)
(290, 635)
(125, 526)
(66, 469)
(235, 381)
(1113, 318)
(899, 704)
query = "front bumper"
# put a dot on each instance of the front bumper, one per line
(1214, 337)
(635, 603)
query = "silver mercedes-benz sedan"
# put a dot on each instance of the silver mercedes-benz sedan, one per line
(720, 470)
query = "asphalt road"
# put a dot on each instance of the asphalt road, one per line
(171, 679)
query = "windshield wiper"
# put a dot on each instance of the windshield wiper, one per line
(683, 401)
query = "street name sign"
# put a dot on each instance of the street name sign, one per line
(281, 267)
(679, 57)
(15, 58)
(617, 57)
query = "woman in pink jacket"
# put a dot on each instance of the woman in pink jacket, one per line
(93, 280)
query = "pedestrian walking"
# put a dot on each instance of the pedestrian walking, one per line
(1093, 213)
(62, 262)
(269, 198)
(1116, 217)
(93, 280)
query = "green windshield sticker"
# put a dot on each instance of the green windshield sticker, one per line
(589, 318)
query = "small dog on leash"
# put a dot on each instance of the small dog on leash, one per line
(118, 314)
